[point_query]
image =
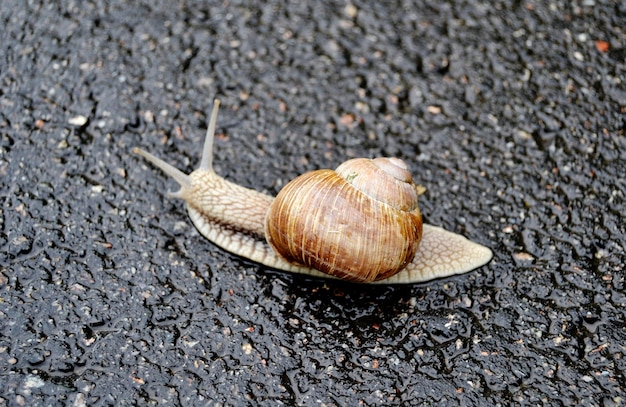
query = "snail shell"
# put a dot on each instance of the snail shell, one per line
(360, 222)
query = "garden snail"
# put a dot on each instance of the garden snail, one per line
(326, 223)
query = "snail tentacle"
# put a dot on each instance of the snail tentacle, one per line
(206, 163)
(183, 179)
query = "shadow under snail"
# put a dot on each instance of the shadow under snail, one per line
(358, 223)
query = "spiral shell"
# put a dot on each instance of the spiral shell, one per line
(360, 222)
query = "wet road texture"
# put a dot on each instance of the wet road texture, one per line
(511, 114)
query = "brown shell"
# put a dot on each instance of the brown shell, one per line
(339, 222)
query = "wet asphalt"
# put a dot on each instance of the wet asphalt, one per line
(511, 114)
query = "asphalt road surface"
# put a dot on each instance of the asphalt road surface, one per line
(511, 114)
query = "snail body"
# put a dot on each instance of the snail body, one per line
(360, 222)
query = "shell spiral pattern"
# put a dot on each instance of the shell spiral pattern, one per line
(342, 223)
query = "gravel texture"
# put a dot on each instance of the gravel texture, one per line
(512, 114)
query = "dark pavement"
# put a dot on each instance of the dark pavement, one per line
(512, 114)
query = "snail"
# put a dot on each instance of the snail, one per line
(359, 223)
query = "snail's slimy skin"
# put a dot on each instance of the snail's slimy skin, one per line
(233, 217)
